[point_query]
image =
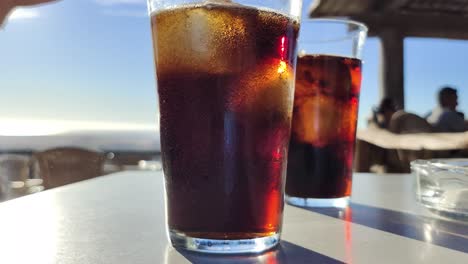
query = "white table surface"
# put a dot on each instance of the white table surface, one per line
(119, 218)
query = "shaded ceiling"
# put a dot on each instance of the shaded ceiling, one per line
(418, 18)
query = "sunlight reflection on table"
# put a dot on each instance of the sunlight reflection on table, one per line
(37, 237)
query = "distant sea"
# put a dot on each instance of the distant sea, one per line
(121, 140)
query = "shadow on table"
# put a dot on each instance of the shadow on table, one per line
(441, 232)
(286, 252)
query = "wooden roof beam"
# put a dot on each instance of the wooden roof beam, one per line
(441, 26)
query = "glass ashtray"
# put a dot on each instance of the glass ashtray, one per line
(442, 186)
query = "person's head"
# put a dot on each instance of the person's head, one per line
(385, 110)
(448, 98)
(386, 106)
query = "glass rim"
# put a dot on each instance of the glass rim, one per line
(359, 25)
(356, 30)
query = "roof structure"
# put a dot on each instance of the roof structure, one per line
(416, 18)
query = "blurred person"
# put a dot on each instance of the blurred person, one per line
(445, 117)
(6, 6)
(382, 115)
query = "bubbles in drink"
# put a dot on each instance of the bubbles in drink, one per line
(196, 39)
(261, 89)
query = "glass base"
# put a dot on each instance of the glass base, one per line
(220, 246)
(342, 202)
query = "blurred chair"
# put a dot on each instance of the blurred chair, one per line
(15, 167)
(14, 172)
(65, 165)
(408, 123)
(373, 158)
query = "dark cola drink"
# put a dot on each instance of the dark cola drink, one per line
(225, 76)
(323, 127)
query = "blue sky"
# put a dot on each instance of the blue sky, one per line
(91, 60)
(79, 60)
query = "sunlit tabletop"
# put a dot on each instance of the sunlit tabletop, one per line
(119, 218)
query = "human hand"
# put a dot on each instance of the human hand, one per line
(7, 5)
